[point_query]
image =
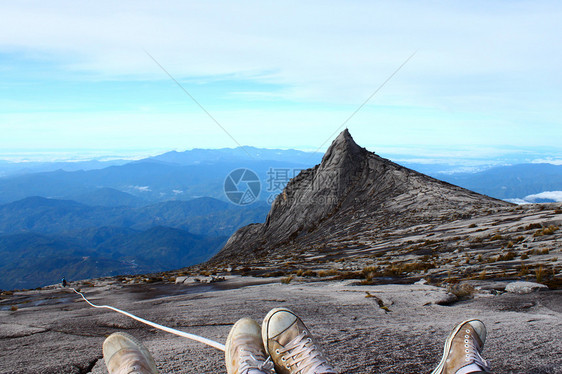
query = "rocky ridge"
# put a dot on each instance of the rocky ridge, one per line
(355, 190)
(361, 216)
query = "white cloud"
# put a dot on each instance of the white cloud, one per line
(141, 188)
(530, 199)
(548, 161)
(518, 201)
(550, 195)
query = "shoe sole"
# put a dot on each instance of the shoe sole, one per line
(145, 352)
(265, 325)
(447, 347)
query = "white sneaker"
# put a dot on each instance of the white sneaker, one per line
(123, 354)
(463, 348)
(289, 343)
(244, 353)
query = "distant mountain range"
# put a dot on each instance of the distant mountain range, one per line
(203, 216)
(43, 239)
(170, 176)
(190, 157)
(240, 154)
(87, 219)
(109, 197)
(202, 172)
(32, 260)
(510, 182)
(8, 168)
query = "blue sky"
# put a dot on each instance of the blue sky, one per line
(75, 79)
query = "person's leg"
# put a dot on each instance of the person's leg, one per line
(289, 343)
(123, 354)
(463, 348)
(244, 352)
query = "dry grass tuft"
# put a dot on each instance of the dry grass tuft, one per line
(287, 280)
(523, 270)
(497, 236)
(328, 273)
(507, 256)
(539, 273)
(546, 231)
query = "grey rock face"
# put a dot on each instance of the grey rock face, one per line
(64, 335)
(525, 287)
(352, 190)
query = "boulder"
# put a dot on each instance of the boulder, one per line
(525, 287)
(447, 299)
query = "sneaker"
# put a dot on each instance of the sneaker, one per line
(463, 347)
(123, 354)
(289, 343)
(244, 353)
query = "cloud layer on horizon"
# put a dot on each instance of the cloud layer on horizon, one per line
(555, 196)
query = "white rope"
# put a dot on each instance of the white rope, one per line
(196, 338)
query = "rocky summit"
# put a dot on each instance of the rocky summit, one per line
(352, 192)
(358, 215)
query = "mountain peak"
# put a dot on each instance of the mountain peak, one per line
(351, 192)
(343, 146)
(344, 136)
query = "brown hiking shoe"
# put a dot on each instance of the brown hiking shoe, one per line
(123, 354)
(289, 343)
(244, 353)
(463, 347)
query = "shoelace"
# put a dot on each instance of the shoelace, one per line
(472, 353)
(305, 356)
(135, 369)
(249, 362)
(252, 359)
(131, 363)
